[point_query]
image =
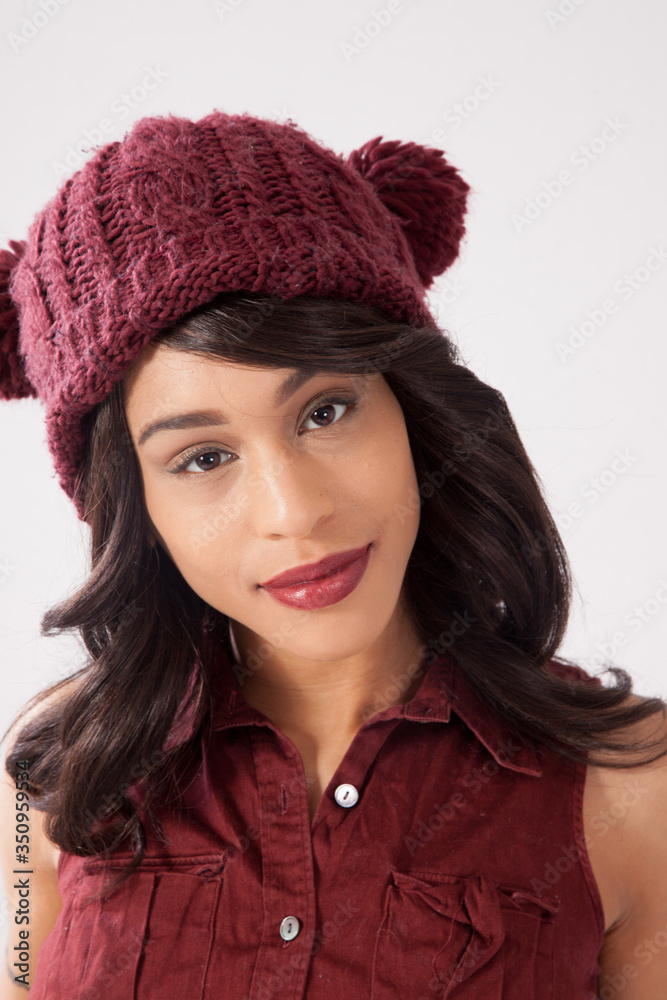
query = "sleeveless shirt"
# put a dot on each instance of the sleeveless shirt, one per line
(446, 859)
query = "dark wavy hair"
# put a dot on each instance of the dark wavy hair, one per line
(487, 552)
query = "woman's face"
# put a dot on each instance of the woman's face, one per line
(278, 474)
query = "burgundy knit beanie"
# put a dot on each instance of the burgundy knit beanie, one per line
(178, 211)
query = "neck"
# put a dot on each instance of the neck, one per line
(327, 701)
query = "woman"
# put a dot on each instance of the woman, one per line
(323, 746)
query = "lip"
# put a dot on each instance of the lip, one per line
(314, 571)
(323, 591)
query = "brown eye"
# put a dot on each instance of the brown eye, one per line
(330, 413)
(202, 461)
(324, 415)
(205, 460)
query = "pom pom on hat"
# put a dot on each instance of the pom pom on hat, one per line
(417, 184)
(14, 383)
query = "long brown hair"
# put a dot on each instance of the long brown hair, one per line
(487, 552)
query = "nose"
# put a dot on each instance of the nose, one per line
(288, 495)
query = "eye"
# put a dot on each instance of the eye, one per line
(328, 407)
(204, 459)
(200, 456)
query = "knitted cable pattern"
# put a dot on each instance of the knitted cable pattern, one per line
(178, 211)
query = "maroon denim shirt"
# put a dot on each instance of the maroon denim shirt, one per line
(459, 871)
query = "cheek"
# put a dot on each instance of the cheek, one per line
(406, 488)
(205, 551)
(396, 461)
(390, 482)
(196, 536)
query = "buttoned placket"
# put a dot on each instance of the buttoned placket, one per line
(294, 850)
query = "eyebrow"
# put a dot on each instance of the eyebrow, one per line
(211, 418)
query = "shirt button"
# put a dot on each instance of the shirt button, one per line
(346, 795)
(289, 928)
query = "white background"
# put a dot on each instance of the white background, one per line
(515, 93)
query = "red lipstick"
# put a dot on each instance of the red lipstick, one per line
(317, 585)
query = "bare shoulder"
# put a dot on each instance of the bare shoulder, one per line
(625, 823)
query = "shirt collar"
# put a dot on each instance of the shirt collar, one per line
(444, 689)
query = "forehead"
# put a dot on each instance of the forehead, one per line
(159, 363)
(159, 367)
(163, 380)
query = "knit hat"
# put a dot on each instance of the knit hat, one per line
(178, 211)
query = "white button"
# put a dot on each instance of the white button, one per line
(289, 928)
(346, 795)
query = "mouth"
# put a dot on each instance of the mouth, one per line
(315, 571)
(322, 589)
